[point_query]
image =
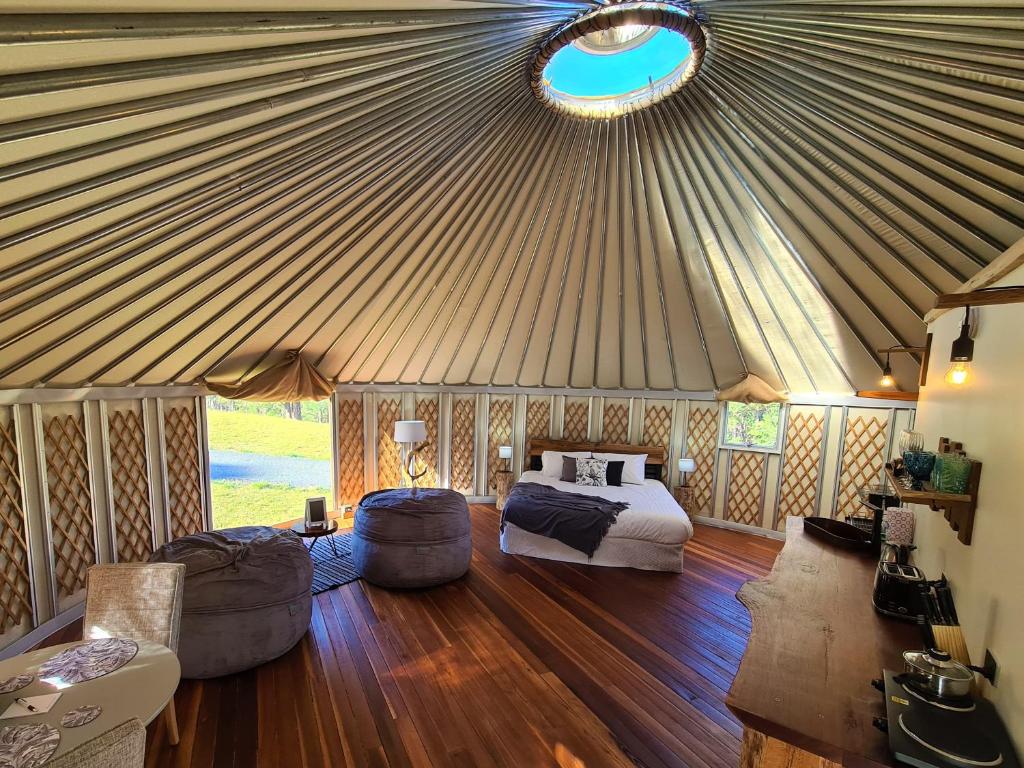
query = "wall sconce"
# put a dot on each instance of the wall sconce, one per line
(961, 354)
(408, 434)
(888, 381)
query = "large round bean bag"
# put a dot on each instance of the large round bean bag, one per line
(412, 537)
(247, 597)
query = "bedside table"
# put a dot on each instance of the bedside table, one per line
(684, 497)
(503, 483)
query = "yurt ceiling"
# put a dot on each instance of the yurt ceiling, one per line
(194, 189)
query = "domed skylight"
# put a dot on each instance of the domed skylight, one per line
(618, 59)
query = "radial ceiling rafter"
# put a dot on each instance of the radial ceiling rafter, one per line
(194, 194)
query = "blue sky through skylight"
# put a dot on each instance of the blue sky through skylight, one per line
(579, 73)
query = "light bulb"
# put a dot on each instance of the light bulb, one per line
(958, 373)
(887, 380)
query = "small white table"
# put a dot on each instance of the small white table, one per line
(141, 688)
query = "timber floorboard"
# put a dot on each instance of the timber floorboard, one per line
(523, 662)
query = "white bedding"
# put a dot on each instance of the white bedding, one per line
(653, 514)
(648, 536)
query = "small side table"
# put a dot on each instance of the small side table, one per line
(503, 482)
(684, 497)
(314, 534)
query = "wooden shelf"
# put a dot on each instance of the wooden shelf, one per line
(958, 508)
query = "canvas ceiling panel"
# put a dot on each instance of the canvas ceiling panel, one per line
(795, 206)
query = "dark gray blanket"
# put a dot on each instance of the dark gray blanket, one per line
(574, 519)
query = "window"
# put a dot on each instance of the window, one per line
(266, 459)
(752, 426)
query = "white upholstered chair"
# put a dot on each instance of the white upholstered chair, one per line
(138, 601)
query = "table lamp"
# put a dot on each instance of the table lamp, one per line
(407, 435)
(505, 452)
(685, 467)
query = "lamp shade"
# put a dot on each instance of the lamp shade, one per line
(410, 431)
(687, 465)
(504, 451)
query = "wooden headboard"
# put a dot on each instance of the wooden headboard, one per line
(656, 456)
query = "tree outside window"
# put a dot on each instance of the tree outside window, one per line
(752, 425)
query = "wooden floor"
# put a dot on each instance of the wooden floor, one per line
(522, 663)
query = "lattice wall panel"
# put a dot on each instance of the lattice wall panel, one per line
(389, 410)
(658, 428)
(746, 478)
(538, 417)
(184, 478)
(863, 460)
(702, 441)
(129, 480)
(575, 420)
(463, 443)
(499, 432)
(15, 584)
(351, 466)
(615, 422)
(426, 458)
(801, 466)
(70, 499)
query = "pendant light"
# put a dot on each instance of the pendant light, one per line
(887, 379)
(961, 354)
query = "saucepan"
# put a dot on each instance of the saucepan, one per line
(936, 672)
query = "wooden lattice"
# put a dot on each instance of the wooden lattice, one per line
(658, 428)
(499, 432)
(351, 467)
(538, 417)
(70, 500)
(426, 458)
(702, 440)
(463, 443)
(615, 422)
(15, 584)
(575, 420)
(801, 466)
(863, 459)
(184, 478)
(129, 480)
(746, 477)
(389, 460)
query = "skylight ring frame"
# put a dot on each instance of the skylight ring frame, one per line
(656, 14)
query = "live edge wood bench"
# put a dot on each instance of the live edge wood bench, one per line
(803, 691)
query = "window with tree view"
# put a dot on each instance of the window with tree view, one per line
(266, 459)
(752, 425)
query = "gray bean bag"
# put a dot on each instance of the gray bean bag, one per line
(412, 537)
(246, 600)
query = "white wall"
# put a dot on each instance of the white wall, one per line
(987, 416)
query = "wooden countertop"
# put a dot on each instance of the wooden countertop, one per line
(815, 646)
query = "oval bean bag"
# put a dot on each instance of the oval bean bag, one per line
(412, 537)
(247, 597)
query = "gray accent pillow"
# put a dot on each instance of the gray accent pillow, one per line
(568, 469)
(592, 472)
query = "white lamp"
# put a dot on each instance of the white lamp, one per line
(686, 466)
(505, 452)
(407, 434)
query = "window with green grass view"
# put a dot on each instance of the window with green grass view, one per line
(266, 459)
(752, 425)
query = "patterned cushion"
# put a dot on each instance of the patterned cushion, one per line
(591, 472)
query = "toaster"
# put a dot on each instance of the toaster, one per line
(897, 591)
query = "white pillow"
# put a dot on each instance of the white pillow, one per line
(632, 465)
(551, 461)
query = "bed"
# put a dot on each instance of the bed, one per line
(649, 535)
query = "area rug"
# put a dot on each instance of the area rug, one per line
(330, 571)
